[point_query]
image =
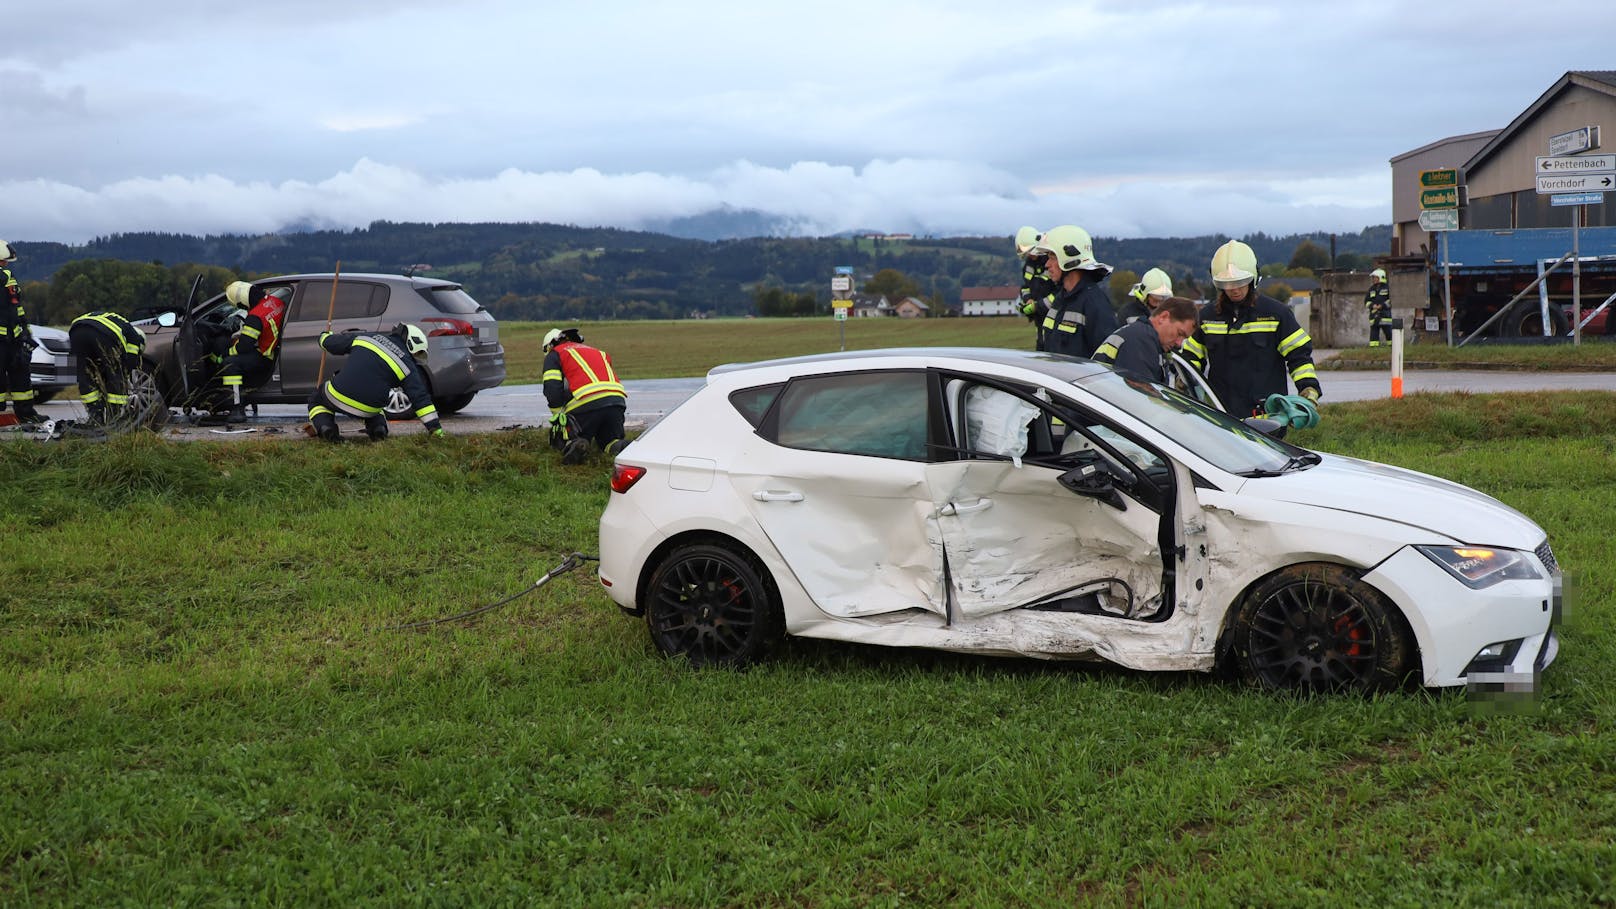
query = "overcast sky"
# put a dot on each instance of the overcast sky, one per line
(1129, 118)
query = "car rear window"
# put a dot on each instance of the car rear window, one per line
(450, 298)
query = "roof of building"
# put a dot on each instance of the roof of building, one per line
(997, 292)
(1599, 80)
(1431, 146)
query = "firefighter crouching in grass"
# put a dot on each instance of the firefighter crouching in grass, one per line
(108, 349)
(377, 364)
(587, 403)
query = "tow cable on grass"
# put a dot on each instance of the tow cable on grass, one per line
(576, 560)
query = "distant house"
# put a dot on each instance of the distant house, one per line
(867, 306)
(911, 308)
(990, 301)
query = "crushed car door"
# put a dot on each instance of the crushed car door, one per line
(843, 497)
(1016, 537)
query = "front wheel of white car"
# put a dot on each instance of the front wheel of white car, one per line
(1318, 628)
(712, 606)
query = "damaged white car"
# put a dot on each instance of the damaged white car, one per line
(1018, 503)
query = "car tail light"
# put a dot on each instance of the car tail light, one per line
(624, 476)
(448, 327)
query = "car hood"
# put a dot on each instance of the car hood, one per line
(1405, 496)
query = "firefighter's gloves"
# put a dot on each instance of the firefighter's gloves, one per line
(438, 433)
(558, 420)
(1311, 393)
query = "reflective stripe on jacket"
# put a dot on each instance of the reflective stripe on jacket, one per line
(577, 376)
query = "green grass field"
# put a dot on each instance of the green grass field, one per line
(200, 706)
(662, 350)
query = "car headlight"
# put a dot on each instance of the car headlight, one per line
(1478, 567)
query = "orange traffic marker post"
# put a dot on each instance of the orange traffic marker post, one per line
(1397, 358)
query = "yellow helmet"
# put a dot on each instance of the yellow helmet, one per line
(1155, 283)
(1026, 238)
(1234, 264)
(6, 252)
(1072, 247)
(239, 293)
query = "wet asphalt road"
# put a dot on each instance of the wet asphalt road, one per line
(649, 400)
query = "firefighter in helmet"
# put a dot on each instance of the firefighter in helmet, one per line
(16, 344)
(377, 363)
(1248, 346)
(1037, 290)
(1080, 316)
(251, 358)
(1378, 302)
(1143, 298)
(107, 348)
(587, 402)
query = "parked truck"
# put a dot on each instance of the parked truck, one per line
(1488, 269)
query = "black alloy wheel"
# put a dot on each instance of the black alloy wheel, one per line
(710, 605)
(1317, 628)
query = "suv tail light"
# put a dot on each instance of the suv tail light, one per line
(625, 476)
(448, 327)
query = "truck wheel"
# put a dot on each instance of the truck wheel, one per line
(1528, 323)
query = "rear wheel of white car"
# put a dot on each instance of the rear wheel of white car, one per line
(711, 605)
(1318, 628)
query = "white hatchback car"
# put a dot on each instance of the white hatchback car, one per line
(1019, 503)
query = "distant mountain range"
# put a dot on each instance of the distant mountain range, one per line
(712, 263)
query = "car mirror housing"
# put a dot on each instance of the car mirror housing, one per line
(1095, 482)
(168, 319)
(1272, 428)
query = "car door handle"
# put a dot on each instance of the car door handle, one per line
(955, 508)
(769, 495)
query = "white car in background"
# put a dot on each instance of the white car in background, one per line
(1018, 503)
(51, 367)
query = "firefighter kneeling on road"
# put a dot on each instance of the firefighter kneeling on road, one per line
(108, 349)
(587, 403)
(377, 364)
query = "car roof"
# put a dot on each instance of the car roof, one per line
(360, 275)
(1057, 367)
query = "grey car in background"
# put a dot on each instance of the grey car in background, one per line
(464, 353)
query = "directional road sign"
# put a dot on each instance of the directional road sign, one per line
(1439, 219)
(1575, 183)
(1581, 139)
(1577, 199)
(1446, 176)
(1447, 197)
(1576, 164)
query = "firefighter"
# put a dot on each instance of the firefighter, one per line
(251, 358)
(1141, 347)
(1080, 317)
(1378, 301)
(107, 348)
(587, 403)
(1143, 298)
(1248, 344)
(377, 363)
(16, 345)
(1037, 289)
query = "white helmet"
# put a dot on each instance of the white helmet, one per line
(1378, 274)
(6, 252)
(1155, 283)
(239, 292)
(1072, 247)
(1234, 264)
(556, 335)
(1026, 239)
(414, 341)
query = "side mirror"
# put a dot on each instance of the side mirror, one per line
(1093, 481)
(168, 319)
(1267, 427)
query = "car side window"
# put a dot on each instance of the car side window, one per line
(754, 403)
(354, 300)
(882, 414)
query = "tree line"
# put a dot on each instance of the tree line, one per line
(549, 272)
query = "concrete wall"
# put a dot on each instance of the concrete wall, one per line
(1338, 318)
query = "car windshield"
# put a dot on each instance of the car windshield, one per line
(1222, 440)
